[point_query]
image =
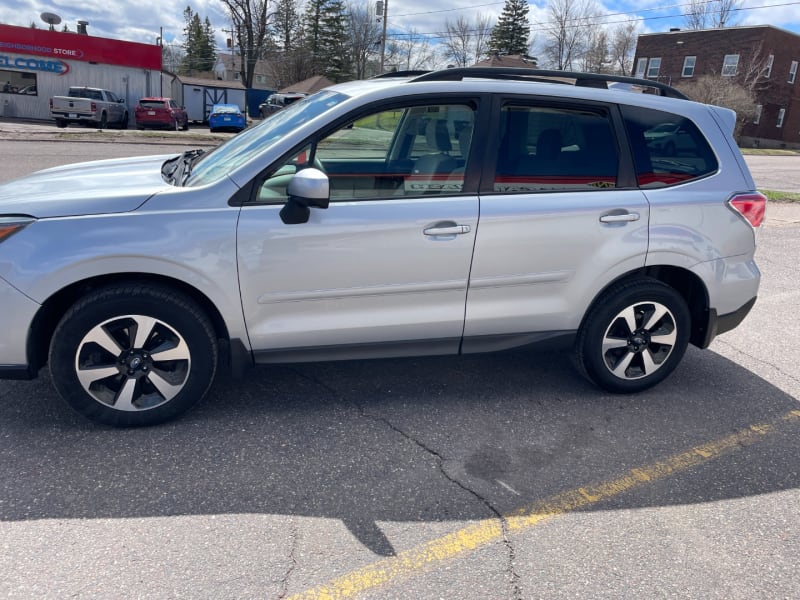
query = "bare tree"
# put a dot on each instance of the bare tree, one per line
(595, 58)
(465, 42)
(250, 21)
(410, 52)
(623, 47)
(723, 91)
(566, 34)
(365, 34)
(705, 14)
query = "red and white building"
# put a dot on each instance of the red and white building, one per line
(36, 64)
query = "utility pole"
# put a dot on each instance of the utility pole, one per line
(382, 7)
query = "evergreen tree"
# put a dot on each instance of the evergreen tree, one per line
(326, 38)
(198, 44)
(510, 35)
(338, 65)
(287, 27)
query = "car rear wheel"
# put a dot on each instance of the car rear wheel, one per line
(634, 336)
(133, 355)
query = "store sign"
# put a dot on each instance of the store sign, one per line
(55, 45)
(57, 67)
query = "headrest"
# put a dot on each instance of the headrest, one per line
(437, 135)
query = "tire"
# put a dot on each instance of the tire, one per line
(634, 336)
(103, 121)
(133, 355)
(185, 125)
(61, 123)
(124, 123)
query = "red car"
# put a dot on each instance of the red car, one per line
(162, 113)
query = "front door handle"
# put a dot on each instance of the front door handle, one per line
(620, 218)
(447, 229)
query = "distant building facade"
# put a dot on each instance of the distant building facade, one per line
(770, 53)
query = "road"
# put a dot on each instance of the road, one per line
(502, 476)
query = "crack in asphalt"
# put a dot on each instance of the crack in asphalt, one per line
(440, 461)
(292, 565)
(758, 360)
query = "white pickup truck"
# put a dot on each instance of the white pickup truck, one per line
(89, 106)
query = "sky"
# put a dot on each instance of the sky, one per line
(145, 20)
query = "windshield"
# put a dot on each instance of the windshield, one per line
(240, 149)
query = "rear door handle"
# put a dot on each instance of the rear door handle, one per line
(620, 218)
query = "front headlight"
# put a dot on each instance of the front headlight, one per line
(11, 224)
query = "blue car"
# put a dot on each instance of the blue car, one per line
(226, 117)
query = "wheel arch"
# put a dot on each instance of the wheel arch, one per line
(686, 283)
(54, 308)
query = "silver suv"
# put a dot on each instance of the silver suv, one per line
(460, 211)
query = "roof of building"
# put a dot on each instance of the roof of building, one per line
(307, 86)
(508, 60)
(214, 83)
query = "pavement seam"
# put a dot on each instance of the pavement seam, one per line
(730, 346)
(293, 534)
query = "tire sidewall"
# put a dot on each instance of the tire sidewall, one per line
(601, 317)
(178, 313)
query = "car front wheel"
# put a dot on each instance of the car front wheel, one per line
(634, 336)
(133, 355)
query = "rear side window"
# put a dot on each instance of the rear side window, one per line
(667, 149)
(546, 149)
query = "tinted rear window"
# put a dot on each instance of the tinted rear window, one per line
(668, 149)
(151, 104)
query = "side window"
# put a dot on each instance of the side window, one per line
(405, 151)
(668, 149)
(545, 149)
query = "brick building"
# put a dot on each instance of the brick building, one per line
(762, 51)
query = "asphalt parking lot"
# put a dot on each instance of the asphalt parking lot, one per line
(497, 476)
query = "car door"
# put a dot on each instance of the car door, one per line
(560, 218)
(383, 270)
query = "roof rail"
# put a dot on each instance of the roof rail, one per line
(595, 80)
(391, 74)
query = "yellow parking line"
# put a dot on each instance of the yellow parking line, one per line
(487, 531)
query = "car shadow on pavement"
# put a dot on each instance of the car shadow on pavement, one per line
(428, 439)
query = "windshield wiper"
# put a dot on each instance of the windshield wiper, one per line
(176, 170)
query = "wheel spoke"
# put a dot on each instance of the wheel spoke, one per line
(165, 388)
(144, 327)
(629, 314)
(623, 365)
(100, 336)
(125, 396)
(649, 364)
(610, 343)
(658, 313)
(88, 376)
(668, 339)
(179, 352)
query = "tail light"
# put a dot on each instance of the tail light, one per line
(94, 107)
(751, 206)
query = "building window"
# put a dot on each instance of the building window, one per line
(768, 70)
(688, 66)
(793, 71)
(729, 65)
(653, 68)
(757, 116)
(781, 114)
(641, 67)
(236, 75)
(17, 82)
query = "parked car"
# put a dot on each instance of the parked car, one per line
(88, 106)
(276, 102)
(460, 211)
(226, 117)
(669, 138)
(162, 113)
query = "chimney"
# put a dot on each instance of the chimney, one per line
(82, 27)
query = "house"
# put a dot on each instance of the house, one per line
(228, 68)
(764, 54)
(508, 60)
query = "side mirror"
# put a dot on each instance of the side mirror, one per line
(309, 187)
